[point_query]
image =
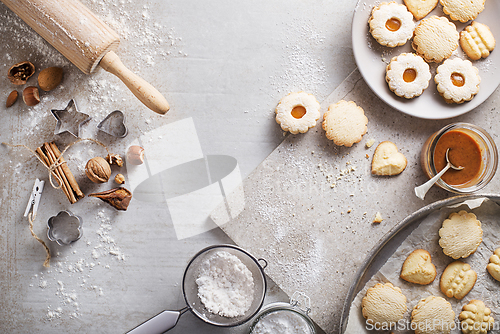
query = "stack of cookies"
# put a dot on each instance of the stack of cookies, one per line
(434, 39)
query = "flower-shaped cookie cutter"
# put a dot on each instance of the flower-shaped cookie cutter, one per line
(64, 228)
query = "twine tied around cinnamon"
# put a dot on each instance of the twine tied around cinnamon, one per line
(59, 160)
(52, 163)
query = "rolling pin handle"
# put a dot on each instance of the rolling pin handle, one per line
(145, 92)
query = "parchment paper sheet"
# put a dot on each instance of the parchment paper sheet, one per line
(426, 236)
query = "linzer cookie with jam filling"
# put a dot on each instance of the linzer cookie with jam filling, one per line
(391, 24)
(383, 304)
(457, 80)
(477, 41)
(297, 112)
(460, 234)
(435, 38)
(462, 10)
(408, 75)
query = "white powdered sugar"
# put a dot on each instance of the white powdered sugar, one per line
(225, 285)
(282, 322)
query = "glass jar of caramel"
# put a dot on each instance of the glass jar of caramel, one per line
(470, 147)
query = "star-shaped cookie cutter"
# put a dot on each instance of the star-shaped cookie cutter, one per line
(70, 119)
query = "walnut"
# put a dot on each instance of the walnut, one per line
(21, 72)
(114, 159)
(98, 170)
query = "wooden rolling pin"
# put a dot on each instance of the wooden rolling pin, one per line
(86, 41)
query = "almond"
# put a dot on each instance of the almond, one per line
(12, 98)
(50, 78)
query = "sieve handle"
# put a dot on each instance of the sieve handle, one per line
(160, 323)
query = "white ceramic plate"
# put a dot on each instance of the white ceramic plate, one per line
(372, 59)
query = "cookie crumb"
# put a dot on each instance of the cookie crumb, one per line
(378, 218)
(370, 143)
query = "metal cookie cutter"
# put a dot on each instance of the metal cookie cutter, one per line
(64, 228)
(69, 119)
(114, 124)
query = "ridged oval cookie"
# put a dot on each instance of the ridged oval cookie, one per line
(457, 280)
(477, 41)
(433, 315)
(462, 10)
(434, 29)
(476, 318)
(418, 268)
(460, 234)
(383, 304)
(345, 123)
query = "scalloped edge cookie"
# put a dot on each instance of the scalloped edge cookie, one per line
(462, 10)
(493, 266)
(427, 311)
(433, 29)
(284, 112)
(384, 303)
(345, 123)
(460, 234)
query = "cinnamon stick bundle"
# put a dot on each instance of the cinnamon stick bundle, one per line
(51, 156)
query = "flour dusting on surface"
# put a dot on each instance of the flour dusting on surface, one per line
(225, 285)
(282, 322)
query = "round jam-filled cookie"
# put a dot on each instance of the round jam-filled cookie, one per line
(457, 80)
(435, 39)
(408, 75)
(433, 315)
(477, 41)
(462, 10)
(383, 304)
(345, 123)
(391, 24)
(297, 112)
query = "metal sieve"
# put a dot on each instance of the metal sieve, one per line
(166, 320)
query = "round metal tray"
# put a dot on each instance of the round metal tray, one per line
(391, 241)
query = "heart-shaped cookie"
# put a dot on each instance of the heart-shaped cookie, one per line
(418, 268)
(420, 8)
(387, 160)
